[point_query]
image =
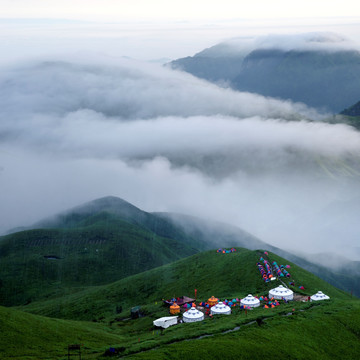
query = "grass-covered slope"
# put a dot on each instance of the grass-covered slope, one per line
(96, 243)
(27, 336)
(45, 262)
(327, 331)
(211, 273)
(300, 330)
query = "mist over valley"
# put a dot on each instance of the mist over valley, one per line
(167, 141)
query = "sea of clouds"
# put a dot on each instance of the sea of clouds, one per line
(74, 129)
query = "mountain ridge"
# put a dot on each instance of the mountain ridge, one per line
(323, 79)
(108, 239)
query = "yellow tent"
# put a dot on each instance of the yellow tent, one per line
(174, 308)
(213, 301)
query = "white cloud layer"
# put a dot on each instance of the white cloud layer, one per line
(74, 131)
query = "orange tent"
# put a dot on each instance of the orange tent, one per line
(174, 309)
(213, 301)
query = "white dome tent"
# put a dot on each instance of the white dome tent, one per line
(281, 292)
(193, 315)
(220, 309)
(250, 301)
(319, 296)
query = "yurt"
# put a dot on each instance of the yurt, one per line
(193, 315)
(220, 309)
(212, 301)
(281, 292)
(319, 296)
(250, 301)
(174, 308)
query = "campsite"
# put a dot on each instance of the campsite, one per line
(193, 311)
(233, 276)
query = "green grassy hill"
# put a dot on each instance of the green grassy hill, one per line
(26, 336)
(47, 262)
(97, 243)
(300, 330)
(211, 273)
(346, 278)
(109, 239)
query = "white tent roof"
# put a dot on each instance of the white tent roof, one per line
(165, 321)
(221, 308)
(250, 301)
(281, 292)
(193, 315)
(319, 296)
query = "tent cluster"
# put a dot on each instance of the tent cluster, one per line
(266, 272)
(213, 301)
(224, 251)
(280, 270)
(188, 305)
(215, 307)
(286, 273)
(271, 303)
(212, 306)
(232, 302)
(277, 269)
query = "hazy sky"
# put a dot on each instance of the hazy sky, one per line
(150, 30)
(113, 10)
(79, 120)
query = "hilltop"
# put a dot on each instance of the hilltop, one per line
(96, 243)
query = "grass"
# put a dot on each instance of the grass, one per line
(323, 332)
(26, 336)
(108, 240)
(221, 275)
(330, 328)
(101, 253)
